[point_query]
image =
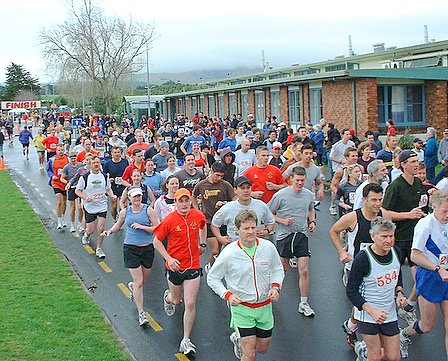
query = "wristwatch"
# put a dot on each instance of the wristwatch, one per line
(437, 269)
(203, 245)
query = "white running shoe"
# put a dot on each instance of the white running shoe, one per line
(85, 238)
(404, 343)
(409, 316)
(237, 350)
(63, 223)
(170, 308)
(187, 347)
(80, 229)
(59, 224)
(306, 310)
(345, 277)
(100, 254)
(333, 210)
(293, 262)
(72, 228)
(360, 350)
(142, 320)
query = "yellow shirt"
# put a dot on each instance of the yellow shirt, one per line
(38, 142)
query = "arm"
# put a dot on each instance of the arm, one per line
(419, 258)
(152, 218)
(336, 180)
(346, 222)
(117, 225)
(321, 189)
(173, 263)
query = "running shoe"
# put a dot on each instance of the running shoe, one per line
(59, 224)
(131, 290)
(63, 223)
(207, 267)
(187, 347)
(236, 345)
(350, 335)
(306, 310)
(142, 320)
(72, 228)
(361, 350)
(85, 238)
(293, 262)
(404, 343)
(333, 210)
(100, 254)
(345, 277)
(316, 204)
(80, 229)
(170, 308)
(409, 316)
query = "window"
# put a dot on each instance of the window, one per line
(233, 106)
(404, 104)
(294, 107)
(315, 105)
(221, 106)
(187, 107)
(275, 104)
(259, 107)
(194, 105)
(244, 105)
(211, 106)
(181, 107)
(201, 104)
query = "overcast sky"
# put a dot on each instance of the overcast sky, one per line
(200, 34)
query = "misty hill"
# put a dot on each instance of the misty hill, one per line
(192, 77)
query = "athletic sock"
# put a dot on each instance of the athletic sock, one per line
(352, 326)
(304, 299)
(412, 303)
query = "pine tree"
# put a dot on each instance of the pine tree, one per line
(19, 80)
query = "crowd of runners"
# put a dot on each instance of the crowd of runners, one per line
(248, 195)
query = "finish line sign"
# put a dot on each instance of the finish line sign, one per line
(25, 104)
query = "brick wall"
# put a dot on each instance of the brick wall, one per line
(226, 106)
(267, 102)
(251, 102)
(305, 104)
(437, 105)
(337, 103)
(366, 105)
(284, 105)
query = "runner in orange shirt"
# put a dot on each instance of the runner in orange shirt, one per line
(186, 232)
(266, 179)
(54, 171)
(87, 150)
(50, 143)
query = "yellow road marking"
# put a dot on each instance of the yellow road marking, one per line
(152, 322)
(105, 267)
(88, 249)
(181, 357)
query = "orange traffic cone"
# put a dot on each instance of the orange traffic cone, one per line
(2, 164)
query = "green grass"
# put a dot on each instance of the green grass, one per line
(45, 314)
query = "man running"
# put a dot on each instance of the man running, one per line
(92, 189)
(24, 137)
(186, 233)
(249, 261)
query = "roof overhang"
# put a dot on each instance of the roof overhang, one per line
(417, 73)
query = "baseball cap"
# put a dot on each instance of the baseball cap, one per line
(281, 123)
(73, 154)
(181, 130)
(277, 145)
(182, 192)
(163, 144)
(135, 191)
(249, 134)
(406, 154)
(446, 130)
(242, 180)
(114, 132)
(417, 140)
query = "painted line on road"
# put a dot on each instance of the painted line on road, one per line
(152, 322)
(32, 185)
(42, 195)
(88, 249)
(181, 357)
(48, 202)
(105, 267)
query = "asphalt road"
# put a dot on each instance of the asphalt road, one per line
(295, 336)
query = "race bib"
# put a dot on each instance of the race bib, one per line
(118, 180)
(423, 201)
(53, 146)
(97, 196)
(387, 281)
(168, 139)
(351, 197)
(443, 260)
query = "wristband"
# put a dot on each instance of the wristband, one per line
(399, 291)
(276, 288)
(312, 222)
(437, 269)
(203, 245)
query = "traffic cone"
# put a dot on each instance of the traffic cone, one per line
(2, 164)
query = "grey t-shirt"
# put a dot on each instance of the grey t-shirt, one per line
(312, 174)
(337, 151)
(160, 161)
(227, 213)
(243, 161)
(287, 203)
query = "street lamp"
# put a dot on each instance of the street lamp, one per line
(147, 81)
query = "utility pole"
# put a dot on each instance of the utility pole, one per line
(147, 81)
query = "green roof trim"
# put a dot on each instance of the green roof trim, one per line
(439, 73)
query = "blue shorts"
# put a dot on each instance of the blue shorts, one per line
(430, 286)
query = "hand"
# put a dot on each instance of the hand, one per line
(270, 186)
(201, 250)
(320, 194)
(114, 197)
(257, 194)
(105, 233)
(379, 315)
(219, 204)
(443, 273)
(348, 207)
(55, 177)
(416, 213)
(288, 221)
(136, 225)
(67, 186)
(263, 233)
(274, 294)
(312, 227)
(173, 264)
(88, 199)
(234, 300)
(401, 300)
(224, 240)
(345, 257)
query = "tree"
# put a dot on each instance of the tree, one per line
(90, 47)
(20, 84)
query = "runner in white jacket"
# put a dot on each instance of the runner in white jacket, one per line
(254, 274)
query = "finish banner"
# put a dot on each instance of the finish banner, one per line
(25, 104)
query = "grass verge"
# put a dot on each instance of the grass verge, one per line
(45, 313)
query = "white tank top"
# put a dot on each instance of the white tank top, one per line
(378, 287)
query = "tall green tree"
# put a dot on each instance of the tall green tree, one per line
(20, 83)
